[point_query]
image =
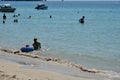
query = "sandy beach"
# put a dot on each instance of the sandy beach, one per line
(12, 70)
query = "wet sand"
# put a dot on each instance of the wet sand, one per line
(10, 71)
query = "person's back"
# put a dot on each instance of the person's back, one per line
(82, 19)
(36, 45)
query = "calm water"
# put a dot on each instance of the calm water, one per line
(95, 44)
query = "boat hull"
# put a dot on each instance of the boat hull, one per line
(42, 8)
(7, 9)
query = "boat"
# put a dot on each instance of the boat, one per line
(41, 6)
(7, 8)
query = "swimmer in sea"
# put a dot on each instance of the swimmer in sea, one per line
(36, 44)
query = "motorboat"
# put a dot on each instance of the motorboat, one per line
(41, 6)
(7, 8)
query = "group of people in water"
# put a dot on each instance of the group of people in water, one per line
(5, 17)
(15, 18)
(36, 44)
(81, 20)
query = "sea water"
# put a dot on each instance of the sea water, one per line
(94, 44)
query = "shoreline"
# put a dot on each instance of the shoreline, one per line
(33, 62)
(9, 70)
(78, 66)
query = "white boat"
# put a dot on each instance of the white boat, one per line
(7, 8)
(41, 6)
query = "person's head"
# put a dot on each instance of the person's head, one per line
(27, 45)
(83, 17)
(35, 39)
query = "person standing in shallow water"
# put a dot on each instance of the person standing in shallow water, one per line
(82, 19)
(4, 18)
(36, 44)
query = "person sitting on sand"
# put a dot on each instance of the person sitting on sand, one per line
(36, 44)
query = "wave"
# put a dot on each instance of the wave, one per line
(110, 74)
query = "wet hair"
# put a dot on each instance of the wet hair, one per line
(83, 17)
(35, 39)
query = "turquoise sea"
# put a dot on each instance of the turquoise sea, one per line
(94, 44)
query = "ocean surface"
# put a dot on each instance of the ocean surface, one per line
(94, 44)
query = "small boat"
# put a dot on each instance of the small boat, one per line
(41, 6)
(7, 8)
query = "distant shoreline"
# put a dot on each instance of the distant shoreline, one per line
(60, 1)
(21, 0)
